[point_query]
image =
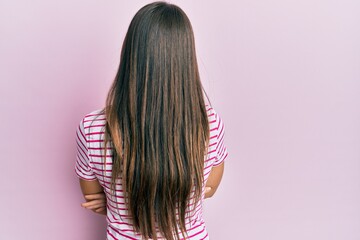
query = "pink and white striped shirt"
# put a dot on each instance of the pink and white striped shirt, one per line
(90, 166)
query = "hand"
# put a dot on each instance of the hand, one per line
(96, 203)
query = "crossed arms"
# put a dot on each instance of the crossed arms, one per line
(96, 200)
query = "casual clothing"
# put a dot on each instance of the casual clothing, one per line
(90, 166)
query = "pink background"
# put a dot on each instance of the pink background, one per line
(284, 75)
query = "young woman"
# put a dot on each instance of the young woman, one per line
(154, 153)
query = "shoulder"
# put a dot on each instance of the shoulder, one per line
(94, 116)
(215, 120)
(92, 120)
(210, 111)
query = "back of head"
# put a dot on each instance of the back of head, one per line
(157, 120)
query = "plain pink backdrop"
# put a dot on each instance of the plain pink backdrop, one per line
(284, 75)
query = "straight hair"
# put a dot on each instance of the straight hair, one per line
(157, 122)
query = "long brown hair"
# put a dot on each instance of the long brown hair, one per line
(157, 121)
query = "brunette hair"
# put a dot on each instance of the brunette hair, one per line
(157, 121)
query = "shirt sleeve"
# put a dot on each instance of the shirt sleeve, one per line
(82, 165)
(221, 150)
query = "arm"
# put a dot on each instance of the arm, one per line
(96, 201)
(217, 170)
(214, 180)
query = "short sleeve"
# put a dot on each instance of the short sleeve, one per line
(221, 151)
(82, 166)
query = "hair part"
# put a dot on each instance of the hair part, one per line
(157, 121)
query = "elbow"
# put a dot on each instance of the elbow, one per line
(210, 191)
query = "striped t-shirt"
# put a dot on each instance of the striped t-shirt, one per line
(90, 166)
